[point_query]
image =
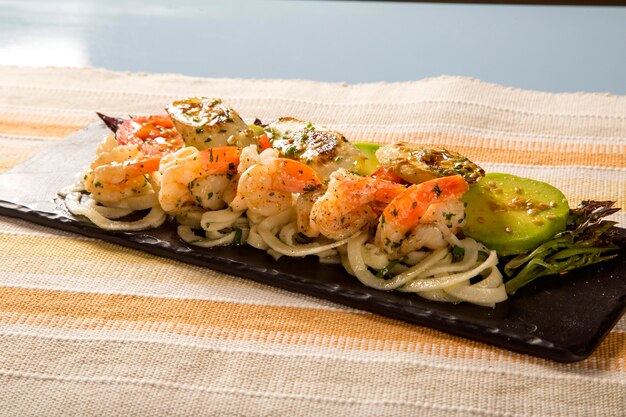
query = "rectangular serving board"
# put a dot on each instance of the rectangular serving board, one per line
(562, 318)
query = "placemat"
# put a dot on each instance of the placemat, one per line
(88, 327)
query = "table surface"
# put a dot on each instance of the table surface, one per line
(548, 48)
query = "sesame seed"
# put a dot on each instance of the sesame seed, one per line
(518, 190)
(550, 217)
(480, 220)
(553, 204)
(472, 229)
(531, 212)
(507, 229)
(492, 184)
(537, 221)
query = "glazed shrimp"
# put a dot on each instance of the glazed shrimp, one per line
(266, 188)
(422, 216)
(203, 179)
(304, 205)
(351, 203)
(119, 172)
(122, 162)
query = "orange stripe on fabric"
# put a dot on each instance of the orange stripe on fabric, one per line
(269, 324)
(509, 150)
(33, 128)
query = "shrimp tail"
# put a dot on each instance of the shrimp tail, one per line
(112, 123)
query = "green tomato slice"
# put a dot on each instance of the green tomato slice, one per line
(512, 214)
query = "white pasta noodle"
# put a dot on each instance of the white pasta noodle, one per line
(436, 276)
(219, 219)
(444, 280)
(110, 213)
(140, 202)
(76, 206)
(187, 234)
(192, 217)
(270, 227)
(361, 270)
(221, 227)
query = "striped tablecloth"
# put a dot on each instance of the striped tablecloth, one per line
(92, 328)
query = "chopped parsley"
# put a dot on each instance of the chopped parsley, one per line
(238, 235)
(458, 253)
(437, 190)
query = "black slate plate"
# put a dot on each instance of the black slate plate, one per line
(562, 318)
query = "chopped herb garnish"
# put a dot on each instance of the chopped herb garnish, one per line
(437, 190)
(387, 269)
(238, 235)
(458, 252)
(290, 152)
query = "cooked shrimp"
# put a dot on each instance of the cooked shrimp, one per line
(421, 215)
(304, 205)
(192, 178)
(118, 172)
(351, 203)
(266, 188)
(122, 162)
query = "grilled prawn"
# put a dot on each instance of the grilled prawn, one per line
(350, 203)
(422, 216)
(267, 185)
(198, 179)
